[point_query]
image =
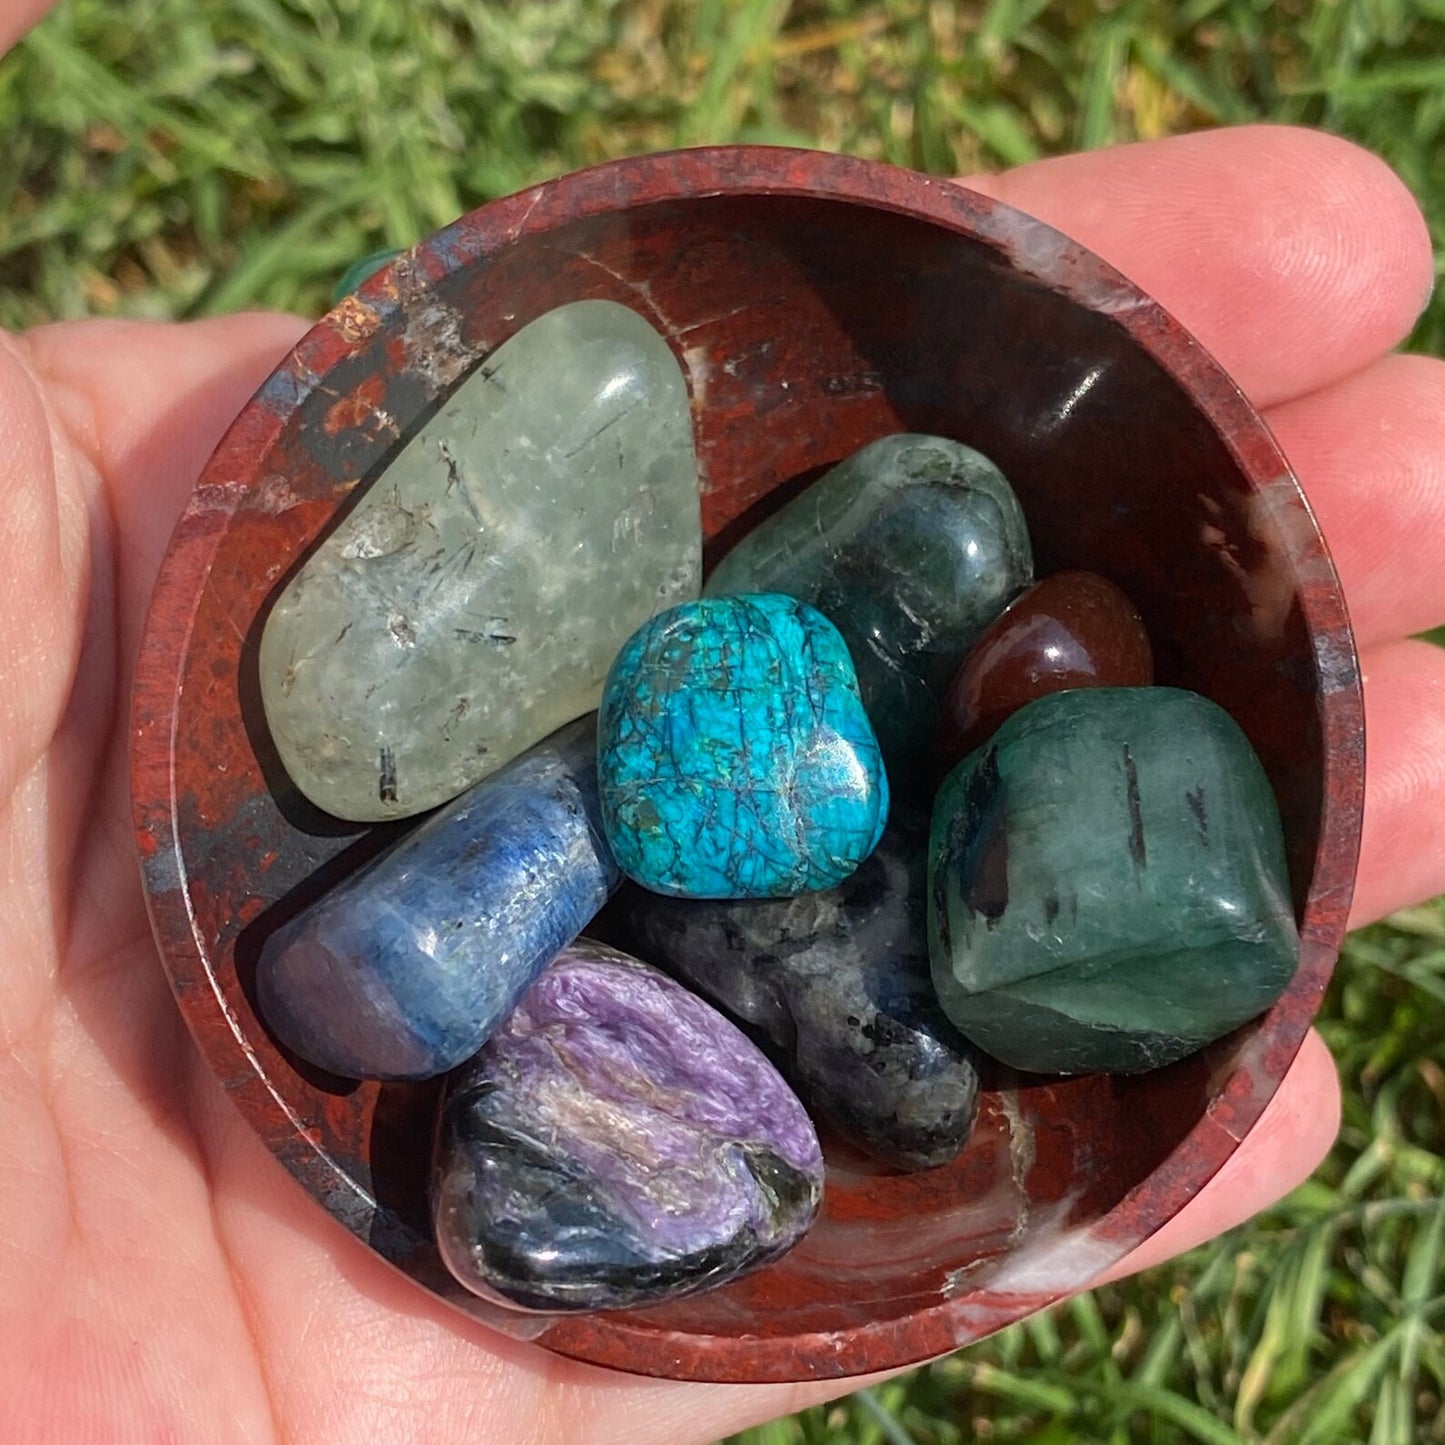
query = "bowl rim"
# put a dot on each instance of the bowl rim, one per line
(1026, 246)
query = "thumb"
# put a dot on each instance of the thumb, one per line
(44, 565)
(146, 403)
(16, 17)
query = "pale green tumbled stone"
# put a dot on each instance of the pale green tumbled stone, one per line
(472, 602)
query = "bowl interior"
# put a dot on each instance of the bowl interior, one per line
(814, 305)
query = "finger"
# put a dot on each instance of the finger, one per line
(44, 492)
(148, 402)
(43, 575)
(1371, 456)
(137, 409)
(1402, 852)
(16, 17)
(1295, 257)
(1283, 1149)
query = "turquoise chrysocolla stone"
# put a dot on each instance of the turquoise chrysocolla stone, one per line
(734, 756)
(472, 601)
(910, 547)
(1107, 883)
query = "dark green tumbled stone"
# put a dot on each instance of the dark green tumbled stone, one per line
(1107, 885)
(359, 272)
(910, 547)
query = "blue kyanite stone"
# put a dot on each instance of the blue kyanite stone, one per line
(734, 756)
(404, 970)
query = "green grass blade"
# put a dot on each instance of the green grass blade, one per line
(1002, 130)
(247, 281)
(1322, 1415)
(731, 34)
(1004, 21)
(1214, 102)
(1427, 75)
(1099, 100)
(892, 1431)
(1019, 1389)
(1195, 1421)
(1425, 1266)
(1394, 1422)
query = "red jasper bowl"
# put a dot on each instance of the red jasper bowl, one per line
(815, 303)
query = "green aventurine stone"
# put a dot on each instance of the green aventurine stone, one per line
(472, 602)
(1107, 885)
(910, 548)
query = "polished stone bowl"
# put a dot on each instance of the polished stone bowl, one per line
(815, 303)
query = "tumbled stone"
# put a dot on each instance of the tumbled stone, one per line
(1073, 629)
(362, 271)
(734, 756)
(911, 547)
(617, 1142)
(404, 969)
(836, 987)
(474, 598)
(1107, 883)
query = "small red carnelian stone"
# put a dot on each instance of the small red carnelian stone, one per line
(1074, 629)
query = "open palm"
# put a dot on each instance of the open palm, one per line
(161, 1278)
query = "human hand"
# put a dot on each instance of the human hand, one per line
(160, 1275)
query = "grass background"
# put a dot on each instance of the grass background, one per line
(180, 157)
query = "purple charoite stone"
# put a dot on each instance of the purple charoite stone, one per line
(617, 1142)
(404, 970)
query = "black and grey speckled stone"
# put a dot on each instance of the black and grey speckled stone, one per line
(836, 986)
